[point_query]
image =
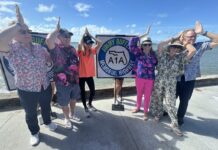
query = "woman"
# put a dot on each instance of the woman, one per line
(29, 62)
(145, 66)
(66, 73)
(86, 52)
(171, 60)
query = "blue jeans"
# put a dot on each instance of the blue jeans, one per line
(184, 90)
(30, 100)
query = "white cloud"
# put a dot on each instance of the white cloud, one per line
(159, 32)
(8, 6)
(44, 28)
(50, 19)
(85, 15)
(5, 21)
(93, 29)
(83, 9)
(162, 15)
(7, 3)
(6, 9)
(131, 25)
(44, 8)
(157, 23)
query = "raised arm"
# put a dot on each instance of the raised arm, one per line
(9, 33)
(133, 45)
(146, 32)
(214, 37)
(191, 50)
(51, 37)
(162, 44)
(98, 42)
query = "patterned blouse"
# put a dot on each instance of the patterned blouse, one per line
(30, 66)
(144, 64)
(170, 68)
(66, 65)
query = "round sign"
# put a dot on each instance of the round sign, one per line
(114, 57)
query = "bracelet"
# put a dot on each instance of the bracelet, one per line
(204, 33)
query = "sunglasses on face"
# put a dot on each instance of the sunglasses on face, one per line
(176, 47)
(66, 36)
(146, 45)
(25, 32)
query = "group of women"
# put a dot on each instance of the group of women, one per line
(73, 68)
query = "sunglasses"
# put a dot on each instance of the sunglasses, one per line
(176, 47)
(66, 36)
(146, 45)
(25, 32)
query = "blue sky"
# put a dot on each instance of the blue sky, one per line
(168, 17)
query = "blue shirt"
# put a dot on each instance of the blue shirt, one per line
(192, 69)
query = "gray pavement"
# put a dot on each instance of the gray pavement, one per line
(117, 130)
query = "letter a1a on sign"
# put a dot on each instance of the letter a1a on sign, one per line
(114, 58)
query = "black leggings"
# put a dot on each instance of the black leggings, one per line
(91, 85)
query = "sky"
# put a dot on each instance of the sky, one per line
(130, 17)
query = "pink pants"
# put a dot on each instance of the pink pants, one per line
(144, 87)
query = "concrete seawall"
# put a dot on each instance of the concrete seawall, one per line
(12, 99)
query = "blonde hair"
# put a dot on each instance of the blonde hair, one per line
(186, 31)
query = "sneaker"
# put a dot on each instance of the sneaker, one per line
(176, 130)
(34, 139)
(135, 110)
(91, 107)
(75, 118)
(52, 126)
(119, 100)
(87, 113)
(67, 124)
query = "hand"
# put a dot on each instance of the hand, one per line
(86, 31)
(198, 28)
(148, 30)
(19, 16)
(58, 25)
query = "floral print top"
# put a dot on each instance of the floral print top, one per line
(66, 65)
(30, 66)
(144, 64)
(170, 68)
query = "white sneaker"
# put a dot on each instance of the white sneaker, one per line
(75, 118)
(67, 123)
(91, 107)
(34, 139)
(87, 113)
(52, 126)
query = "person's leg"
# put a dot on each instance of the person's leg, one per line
(147, 94)
(63, 95)
(170, 103)
(91, 85)
(83, 92)
(185, 90)
(44, 102)
(74, 96)
(139, 88)
(118, 87)
(29, 101)
(156, 105)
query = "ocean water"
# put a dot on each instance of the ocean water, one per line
(209, 66)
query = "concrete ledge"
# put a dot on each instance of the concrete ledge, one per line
(210, 80)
